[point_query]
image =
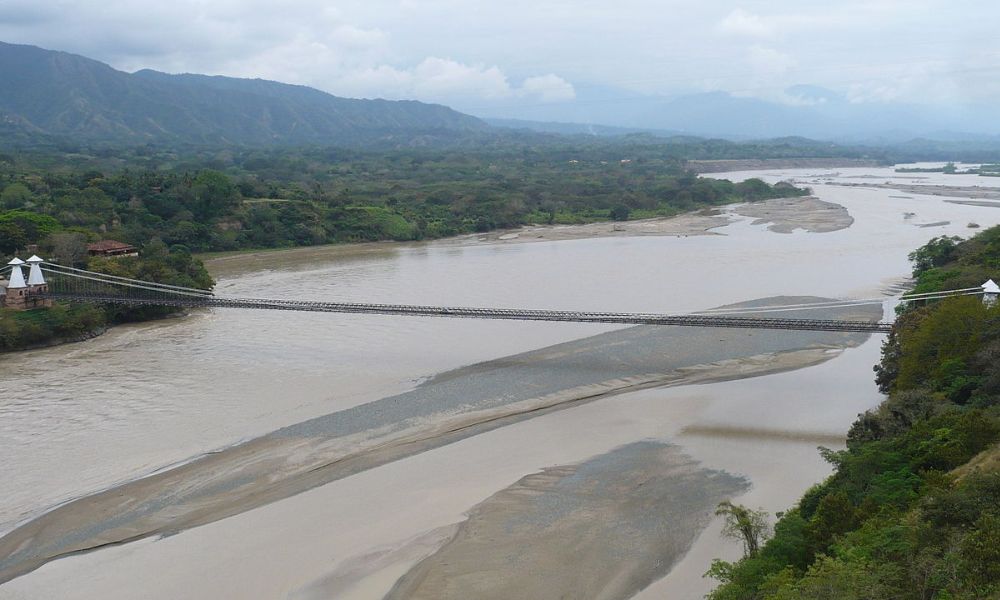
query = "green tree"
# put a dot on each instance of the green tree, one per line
(213, 195)
(15, 195)
(745, 525)
(937, 252)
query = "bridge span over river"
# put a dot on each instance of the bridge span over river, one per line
(50, 281)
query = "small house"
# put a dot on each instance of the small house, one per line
(112, 248)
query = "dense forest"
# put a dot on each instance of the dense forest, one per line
(274, 198)
(912, 510)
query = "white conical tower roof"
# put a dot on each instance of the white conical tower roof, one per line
(990, 287)
(16, 261)
(35, 276)
(16, 276)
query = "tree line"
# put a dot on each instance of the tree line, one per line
(276, 198)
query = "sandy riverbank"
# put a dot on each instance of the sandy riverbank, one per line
(759, 164)
(972, 192)
(446, 408)
(783, 215)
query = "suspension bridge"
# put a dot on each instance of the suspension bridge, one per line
(50, 281)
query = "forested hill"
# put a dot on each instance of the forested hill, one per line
(65, 95)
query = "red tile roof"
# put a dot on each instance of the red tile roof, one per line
(109, 246)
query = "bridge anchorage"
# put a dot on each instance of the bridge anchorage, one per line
(68, 283)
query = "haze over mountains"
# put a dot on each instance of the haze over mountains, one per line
(70, 96)
(809, 111)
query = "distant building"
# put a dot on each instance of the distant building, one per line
(111, 248)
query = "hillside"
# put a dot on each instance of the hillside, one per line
(910, 512)
(61, 94)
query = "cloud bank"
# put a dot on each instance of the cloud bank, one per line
(484, 57)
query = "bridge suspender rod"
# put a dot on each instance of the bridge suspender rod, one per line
(120, 285)
(74, 272)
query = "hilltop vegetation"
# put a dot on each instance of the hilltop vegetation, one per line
(906, 515)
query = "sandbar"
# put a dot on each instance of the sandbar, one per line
(444, 409)
(605, 528)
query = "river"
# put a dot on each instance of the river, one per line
(84, 417)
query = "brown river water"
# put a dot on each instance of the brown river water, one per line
(84, 417)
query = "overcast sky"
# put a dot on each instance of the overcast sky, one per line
(477, 56)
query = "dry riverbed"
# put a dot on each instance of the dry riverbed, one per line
(783, 215)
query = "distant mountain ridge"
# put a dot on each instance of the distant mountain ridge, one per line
(62, 94)
(804, 110)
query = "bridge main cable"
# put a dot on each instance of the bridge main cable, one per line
(618, 318)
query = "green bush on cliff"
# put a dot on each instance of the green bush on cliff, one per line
(21, 329)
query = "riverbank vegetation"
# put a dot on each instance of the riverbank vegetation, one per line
(912, 510)
(279, 198)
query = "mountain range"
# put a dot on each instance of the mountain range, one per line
(66, 97)
(70, 96)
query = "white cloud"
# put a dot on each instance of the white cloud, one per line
(548, 88)
(438, 79)
(442, 77)
(433, 79)
(742, 23)
(768, 61)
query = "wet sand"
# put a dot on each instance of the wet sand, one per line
(605, 528)
(785, 215)
(982, 203)
(442, 410)
(950, 191)
(701, 222)
(352, 539)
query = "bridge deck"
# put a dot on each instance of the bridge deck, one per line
(744, 322)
